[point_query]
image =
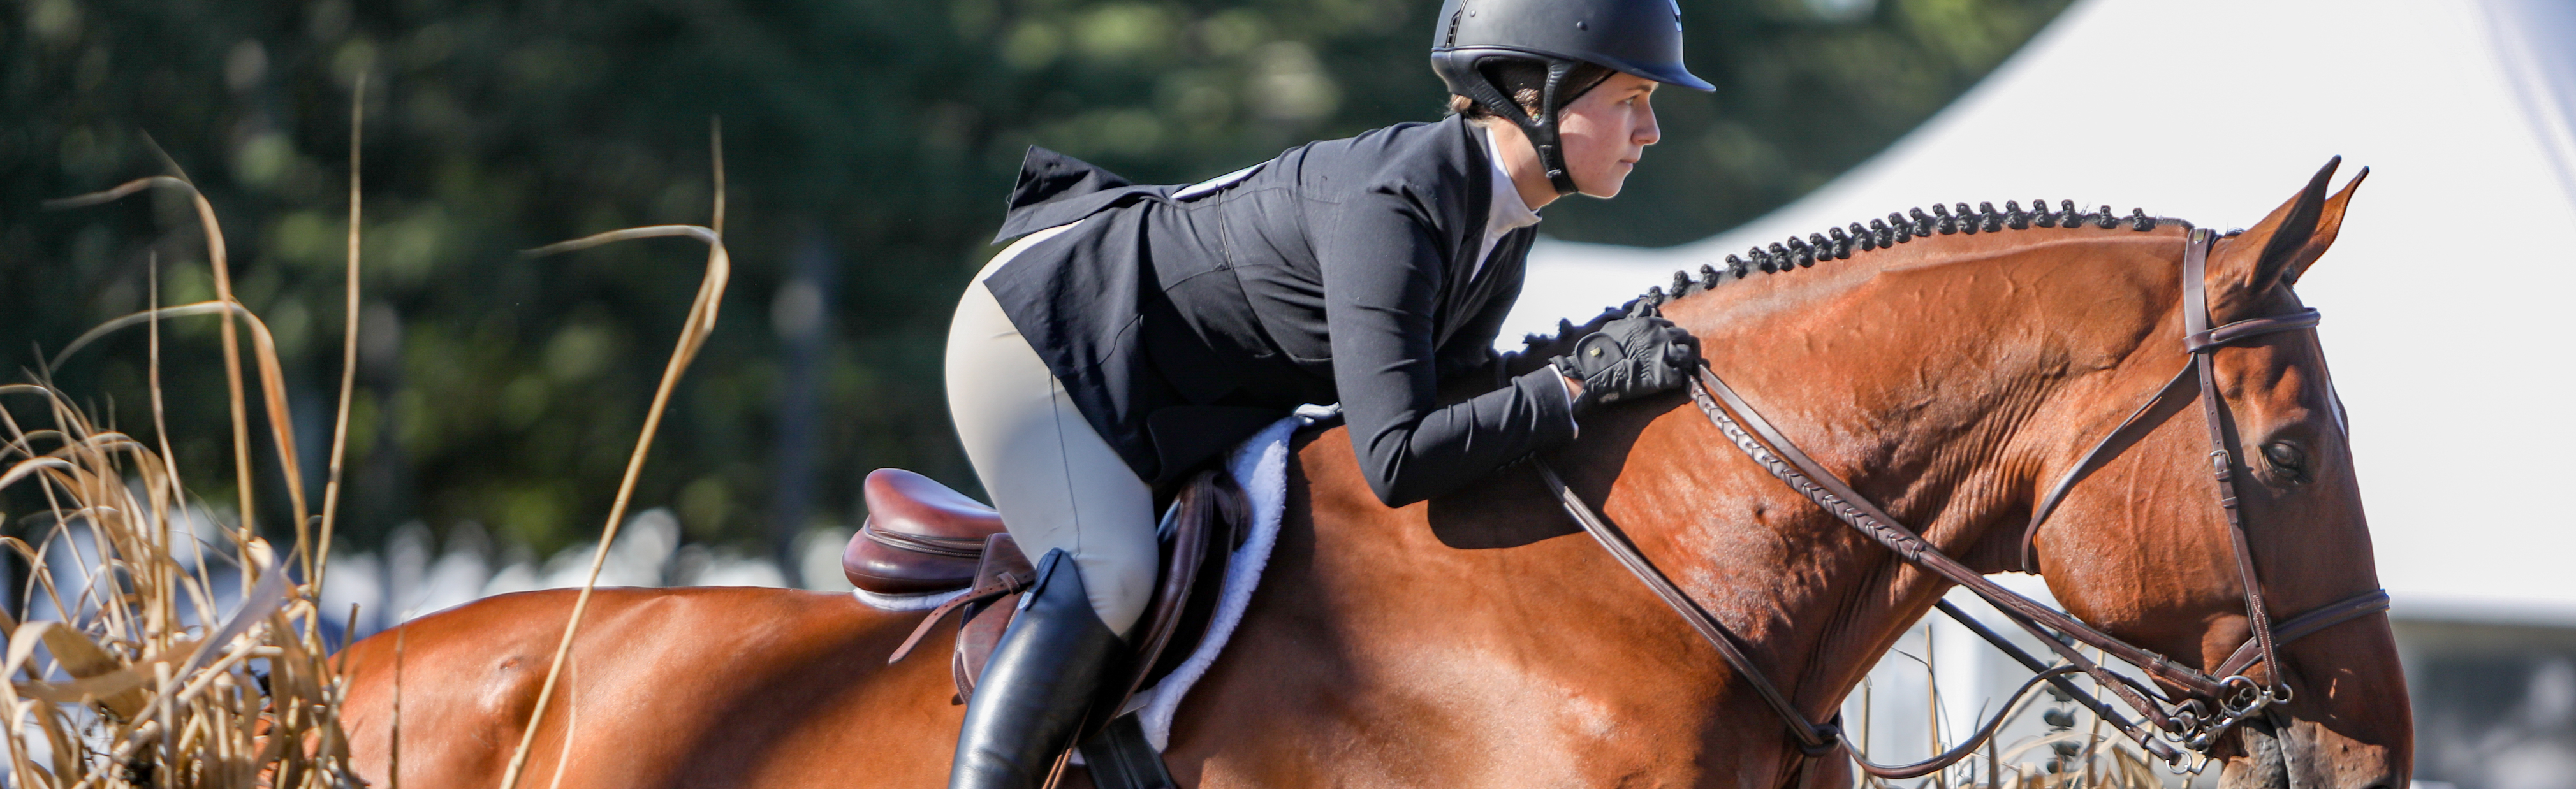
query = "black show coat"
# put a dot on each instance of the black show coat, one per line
(1341, 271)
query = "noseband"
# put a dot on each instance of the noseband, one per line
(2211, 702)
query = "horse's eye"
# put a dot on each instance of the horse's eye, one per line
(2287, 459)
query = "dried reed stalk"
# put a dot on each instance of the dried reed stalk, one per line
(320, 557)
(693, 335)
(216, 257)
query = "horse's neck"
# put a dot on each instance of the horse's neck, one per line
(1912, 382)
(1439, 623)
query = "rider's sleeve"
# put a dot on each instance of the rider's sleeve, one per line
(1382, 274)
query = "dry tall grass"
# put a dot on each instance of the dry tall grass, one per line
(153, 675)
(144, 646)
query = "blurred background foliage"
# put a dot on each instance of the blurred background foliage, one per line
(869, 144)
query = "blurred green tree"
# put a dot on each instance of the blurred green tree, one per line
(869, 143)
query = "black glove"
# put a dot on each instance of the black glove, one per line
(1630, 357)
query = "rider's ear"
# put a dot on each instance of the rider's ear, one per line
(2288, 240)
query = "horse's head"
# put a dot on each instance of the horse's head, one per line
(2143, 549)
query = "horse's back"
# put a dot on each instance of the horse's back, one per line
(666, 687)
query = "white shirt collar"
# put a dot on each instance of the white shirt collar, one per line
(1509, 212)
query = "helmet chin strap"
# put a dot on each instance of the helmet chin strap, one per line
(1541, 130)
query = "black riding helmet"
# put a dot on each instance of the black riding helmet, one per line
(1639, 37)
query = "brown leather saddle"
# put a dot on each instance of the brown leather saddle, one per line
(923, 538)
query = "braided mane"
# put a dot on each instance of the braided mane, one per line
(1840, 243)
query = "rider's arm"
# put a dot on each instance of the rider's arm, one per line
(1470, 365)
(1382, 273)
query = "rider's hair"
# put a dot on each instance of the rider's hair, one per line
(1522, 80)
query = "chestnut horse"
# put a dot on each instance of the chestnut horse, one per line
(1480, 639)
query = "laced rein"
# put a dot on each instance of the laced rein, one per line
(2189, 723)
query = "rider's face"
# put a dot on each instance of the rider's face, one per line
(1606, 130)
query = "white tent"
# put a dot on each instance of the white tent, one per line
(2446, 298)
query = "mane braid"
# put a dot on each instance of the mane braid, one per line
(1839, 243)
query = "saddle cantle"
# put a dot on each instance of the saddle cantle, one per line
(920, 537)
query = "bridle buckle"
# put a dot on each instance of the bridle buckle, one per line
(2240, 698)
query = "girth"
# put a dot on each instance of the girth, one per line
(2213, 701)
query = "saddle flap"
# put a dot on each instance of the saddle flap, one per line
(980, 628)
(1201, 530)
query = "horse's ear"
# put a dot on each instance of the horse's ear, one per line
(2290, 239)
(2329, 222)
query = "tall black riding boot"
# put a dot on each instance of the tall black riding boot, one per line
(1037, 685)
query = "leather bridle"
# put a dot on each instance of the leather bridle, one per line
(2211, 702)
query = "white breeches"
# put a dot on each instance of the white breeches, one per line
(1057, 484)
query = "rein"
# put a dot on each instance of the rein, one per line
(2214, 701)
